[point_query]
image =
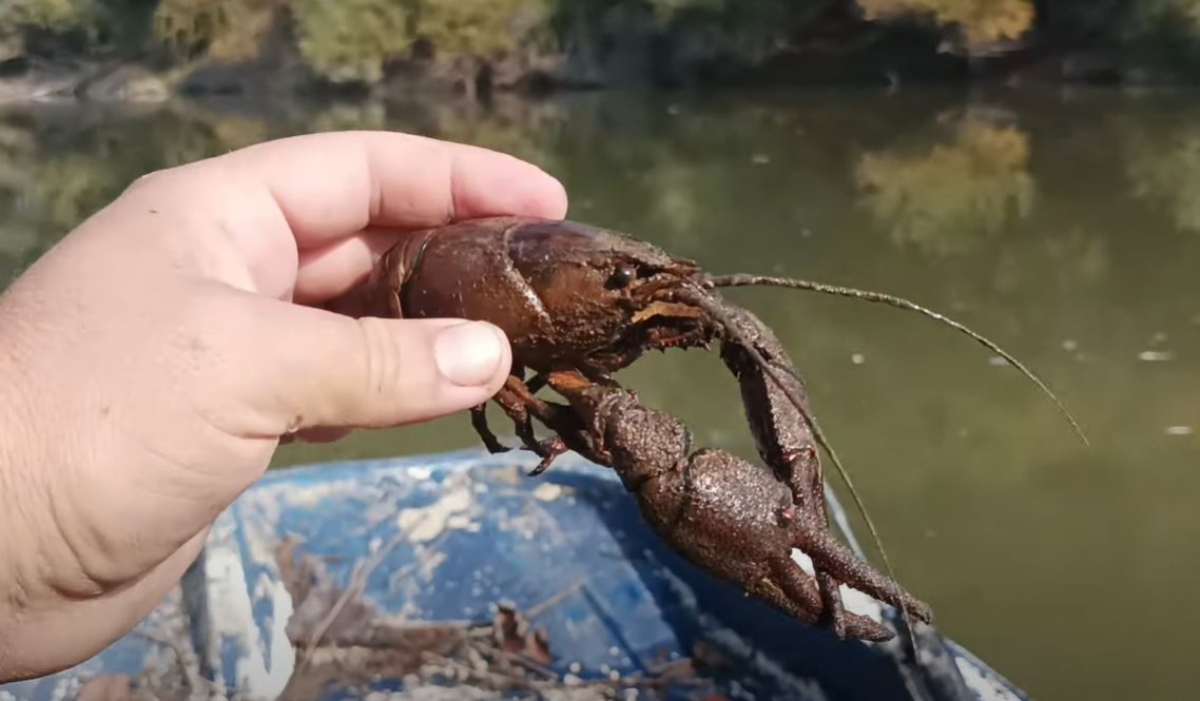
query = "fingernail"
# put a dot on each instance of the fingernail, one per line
(467, 354)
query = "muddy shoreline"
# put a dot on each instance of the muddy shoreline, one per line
(24, 80)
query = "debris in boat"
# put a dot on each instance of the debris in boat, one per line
(114, 688)
(344, 644)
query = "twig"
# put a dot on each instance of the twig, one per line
(553, 601)
(358, 581)
(494, 677)
(194, 681)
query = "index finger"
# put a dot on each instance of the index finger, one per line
(277, 198)
(331, 185)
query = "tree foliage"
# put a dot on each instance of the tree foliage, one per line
(477, 27)
(1166, 11)
(348, 40)
(52, 17)
(981, 22)
(352, 40)
(51, 14)
(225, 31)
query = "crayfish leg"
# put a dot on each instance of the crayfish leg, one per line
(479, 422)
(552, 447)
(517, 401)
(536, 383)
(572, 384)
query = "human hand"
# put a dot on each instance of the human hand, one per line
(151, 362)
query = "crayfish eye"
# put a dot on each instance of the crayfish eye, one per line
(622, 276)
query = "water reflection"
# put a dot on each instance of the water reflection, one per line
(1064, 230)
(972, 182)
(1164, 170)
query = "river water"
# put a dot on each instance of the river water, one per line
(1065, 226)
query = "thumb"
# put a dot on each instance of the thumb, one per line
(303, 368)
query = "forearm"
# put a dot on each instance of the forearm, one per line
(20, 499)
(42, 588)
(86, 551)
(54, 613)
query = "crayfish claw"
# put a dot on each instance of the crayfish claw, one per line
(791, 589)
(831, 555)
(833, 614)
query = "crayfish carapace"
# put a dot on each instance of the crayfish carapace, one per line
(579, 303)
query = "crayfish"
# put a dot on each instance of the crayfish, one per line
(580, 303)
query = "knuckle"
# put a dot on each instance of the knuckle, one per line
(382, 362)
(152, 180)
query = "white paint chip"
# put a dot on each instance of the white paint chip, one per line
(547, 492)
(426, 523)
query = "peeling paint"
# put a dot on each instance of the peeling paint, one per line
(232, 617)
(547, 492)
(420, 473)
(430, 564)
(426, 523)
(313, 496)
(987, 689)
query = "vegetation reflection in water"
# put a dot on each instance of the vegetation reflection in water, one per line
(1068, 231)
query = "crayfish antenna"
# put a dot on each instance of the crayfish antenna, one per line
(745, 280)
(862, 509)
(719, 314)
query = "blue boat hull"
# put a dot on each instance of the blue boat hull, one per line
(449, 536)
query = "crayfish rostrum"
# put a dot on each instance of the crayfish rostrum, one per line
(578, 304)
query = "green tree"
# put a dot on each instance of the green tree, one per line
(478, 28)
(980, 22)
(48, 18)
(349, 40)
(1156, 12)
(231, 30)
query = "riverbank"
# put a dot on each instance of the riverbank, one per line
(891, 63)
